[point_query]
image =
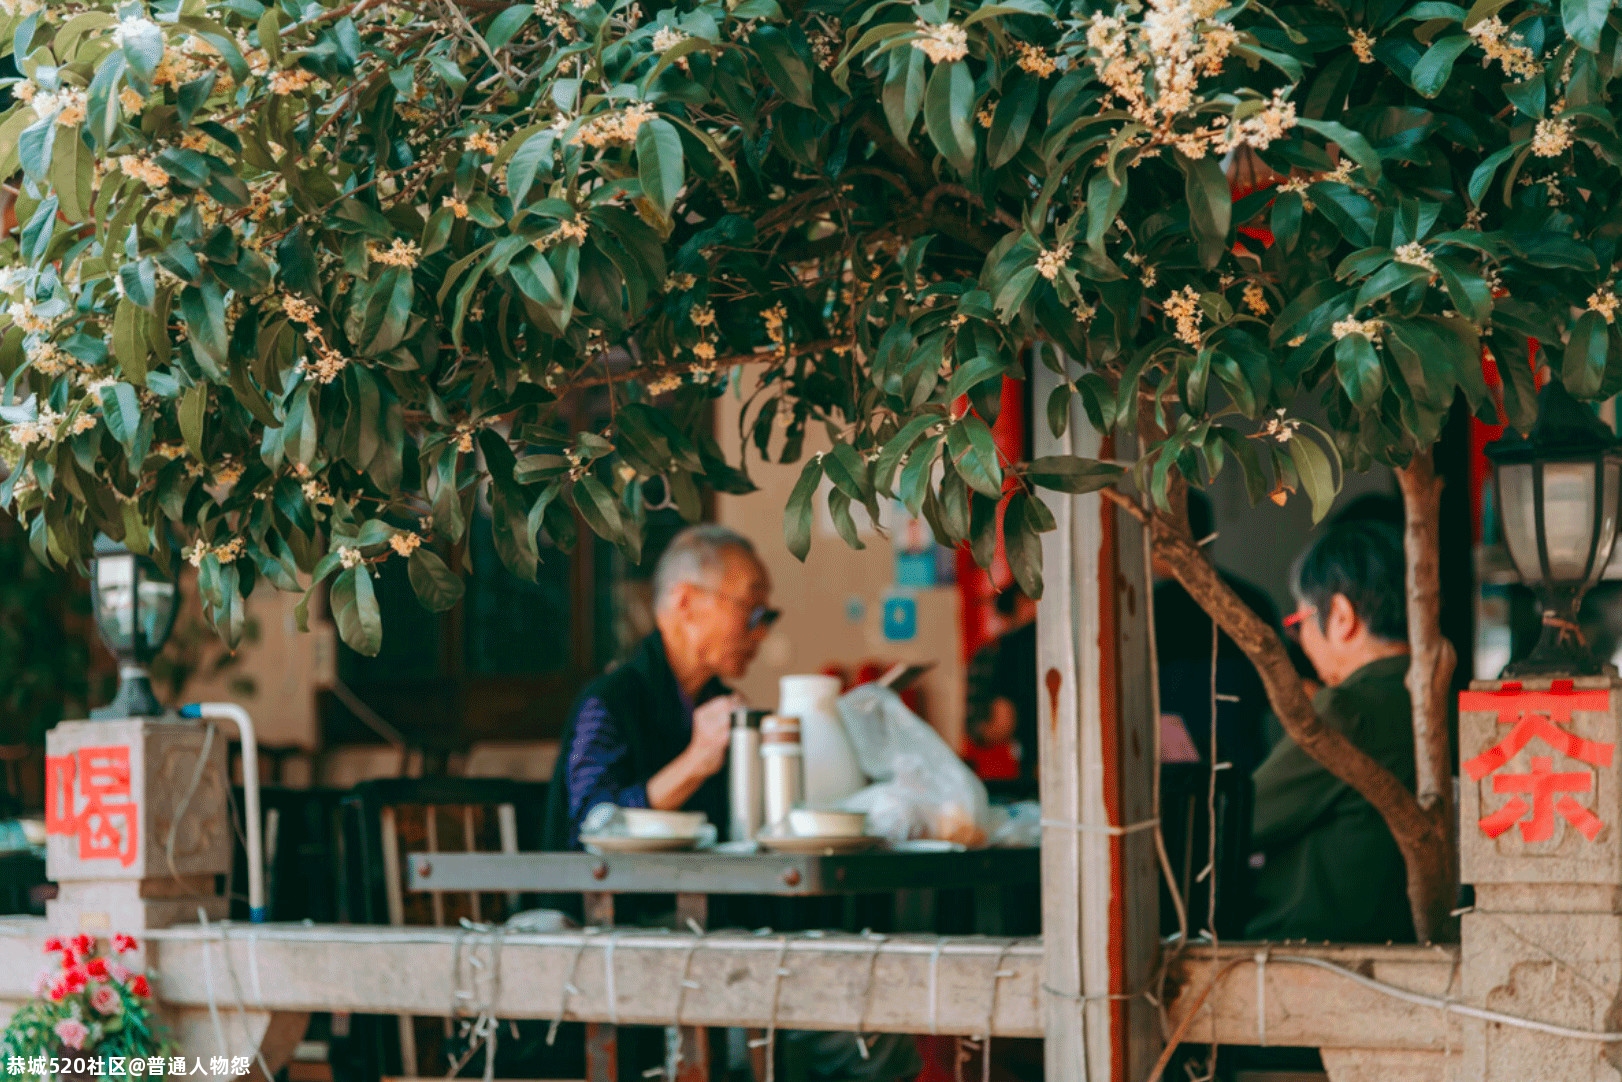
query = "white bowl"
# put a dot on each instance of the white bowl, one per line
(647, 823)
(816, 823)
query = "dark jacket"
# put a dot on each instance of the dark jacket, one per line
(646, 704)
(1331, 867)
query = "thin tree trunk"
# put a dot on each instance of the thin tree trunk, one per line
(1421, 837)
(1430, 669)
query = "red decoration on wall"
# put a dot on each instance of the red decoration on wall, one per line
(1538, 715)
(88, 794)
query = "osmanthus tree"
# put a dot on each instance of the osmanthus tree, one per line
(294, 282)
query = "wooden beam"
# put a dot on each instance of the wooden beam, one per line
(392, 971)
(1096, 749)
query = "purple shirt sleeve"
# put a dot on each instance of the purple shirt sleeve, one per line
(599, 766)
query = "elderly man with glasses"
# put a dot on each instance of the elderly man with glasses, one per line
(653, 733)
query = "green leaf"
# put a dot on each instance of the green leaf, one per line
(1387, 280)
(354, 609)
(596, 505)
(1105, 198)
(1210, 205)
(844, 525)
(1356, 147)
(1316, 473)
(122, 411)
(797, 515)
(1467, 289)
(1430, 75)
(903, 93)
(526, 163)
(785, 68)
(1358, 368)
(659, 163)
(1012, 120)
(1584, 369)
(949, 114)
(1481, 179)
(1069, 473)
(506, 24)
(1023, 523)
(437, 586)
(193, 407)
(1585, 20)
(974, 453)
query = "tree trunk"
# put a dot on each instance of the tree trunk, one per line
(1421, 835)
(1430, 670)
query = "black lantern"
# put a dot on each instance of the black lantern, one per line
(135, 605)
(1557, 496)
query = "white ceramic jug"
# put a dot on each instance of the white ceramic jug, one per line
(831, 770)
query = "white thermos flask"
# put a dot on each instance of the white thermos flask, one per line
(783, 772)
(745, 770)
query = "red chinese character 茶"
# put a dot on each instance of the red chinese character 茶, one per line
(1539, 715)
(88, 794)
(1542, 785)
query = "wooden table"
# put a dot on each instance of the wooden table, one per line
(911, 876)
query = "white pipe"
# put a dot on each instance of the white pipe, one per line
(250, 795)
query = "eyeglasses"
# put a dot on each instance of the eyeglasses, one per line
(1292, 623)
(760, 616)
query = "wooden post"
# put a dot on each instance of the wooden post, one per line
(1097, 750)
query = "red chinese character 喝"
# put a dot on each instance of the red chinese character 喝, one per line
(105, 823)
(1538, 716)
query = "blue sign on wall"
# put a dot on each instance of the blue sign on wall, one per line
(900, 618)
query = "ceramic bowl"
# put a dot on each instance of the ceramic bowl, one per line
(815, 823)
(647, 823)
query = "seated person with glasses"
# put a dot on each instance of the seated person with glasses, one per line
(653, 733)
(1330, 869)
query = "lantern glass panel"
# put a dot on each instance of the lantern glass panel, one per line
(157, 613)
(1569, 489)
(115, 602)
(1519, 512)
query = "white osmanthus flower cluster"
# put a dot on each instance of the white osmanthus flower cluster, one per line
(1051, 262)
(666, 38)
(1551, 138)
(1280, 427)
(405, 542)
(68, 106)
(199, 551)
(1362, 46)
(1183, 309)
(1494, 39)
(613, 129)
(1368, 328)
(943, 43)
(1416, 254)
(350, 557)
(1152, 67)
(1605, 302)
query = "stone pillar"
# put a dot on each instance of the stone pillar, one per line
(137, 824)
(138, 827)
(1540, 837)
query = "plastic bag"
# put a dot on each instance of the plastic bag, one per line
(921, 788)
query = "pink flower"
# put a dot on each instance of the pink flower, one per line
(54, 943)
(138, 986)
(119, 972)
(75, 978)
(96, 969)
(59, 991)
(72, 1032)
(42, 982)
(82, 945)
(122, 942)
(105, 1000)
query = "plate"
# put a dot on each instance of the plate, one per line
(624, 843)
(796, 843)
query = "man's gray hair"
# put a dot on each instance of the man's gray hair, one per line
(695, 556)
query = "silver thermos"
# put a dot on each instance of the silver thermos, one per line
(783, 767)
(748, 792)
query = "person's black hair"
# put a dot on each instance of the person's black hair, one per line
(1008, 599)
(1371, 507)
(1362, 560)
(1200, 519)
